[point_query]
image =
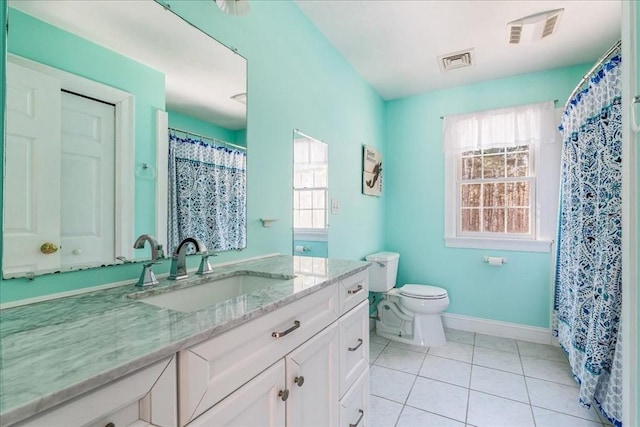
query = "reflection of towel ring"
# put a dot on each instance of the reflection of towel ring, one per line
(145, 171)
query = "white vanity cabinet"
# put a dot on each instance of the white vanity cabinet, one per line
(300, 365)
(147, 397)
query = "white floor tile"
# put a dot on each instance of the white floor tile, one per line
(456, 335)
(440, 398)
(497, 359)
(546, 418)
(496, 343)
(541, 351)
(455, 351)
(446, 370)
(376, 339)
(400, 359)
(412, 417)
(558, 397)
(382, 412)
(390, 384)
(500, 383)
(492, 411)
(374, 351)
(549, 370)
(416, 348)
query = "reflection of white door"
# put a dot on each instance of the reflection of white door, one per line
(32, 170)
(56, 140)
(87, 202)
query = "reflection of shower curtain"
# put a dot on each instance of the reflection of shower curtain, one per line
(207, 194)
(588, 298)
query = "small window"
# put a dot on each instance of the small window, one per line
(496, 189)
(310, 185)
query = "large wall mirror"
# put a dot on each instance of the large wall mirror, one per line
(96, 92)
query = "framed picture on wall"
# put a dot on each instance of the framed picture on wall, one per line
(371, 171)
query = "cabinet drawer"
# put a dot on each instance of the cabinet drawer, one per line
(146, 397)
(354, 404)
(214, 369)
(353, 289)
(354, 345)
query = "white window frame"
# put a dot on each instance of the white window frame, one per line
(546, 173)
(308, 233)
(531, 178)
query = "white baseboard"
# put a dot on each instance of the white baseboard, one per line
(498, 328)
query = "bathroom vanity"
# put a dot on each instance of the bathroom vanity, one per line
(294, 352)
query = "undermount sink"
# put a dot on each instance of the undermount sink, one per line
(200, 296)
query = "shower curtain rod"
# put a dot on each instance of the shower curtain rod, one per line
(219, 141)
(608, 54)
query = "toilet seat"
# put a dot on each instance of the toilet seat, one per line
(423, 292)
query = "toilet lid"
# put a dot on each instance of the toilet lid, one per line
(423, 291)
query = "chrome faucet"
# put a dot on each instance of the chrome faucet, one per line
(179, 259)
(148, 278)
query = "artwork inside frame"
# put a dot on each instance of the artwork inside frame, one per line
(371, 171)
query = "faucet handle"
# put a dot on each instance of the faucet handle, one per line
(205, 267)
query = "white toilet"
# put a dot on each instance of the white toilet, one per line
(411, 313)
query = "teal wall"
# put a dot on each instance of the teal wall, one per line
(296, 79)
(192, 124)
(315, 248)
(518, 292)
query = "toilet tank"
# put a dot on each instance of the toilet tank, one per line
(383, 271)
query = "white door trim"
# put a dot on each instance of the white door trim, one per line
(630, 307)
(124, 142)
(162, 176)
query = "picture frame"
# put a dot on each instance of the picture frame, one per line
(371, 171)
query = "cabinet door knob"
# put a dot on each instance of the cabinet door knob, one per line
(284, 394)
(48, 248)
(359, 418)
(299, 380)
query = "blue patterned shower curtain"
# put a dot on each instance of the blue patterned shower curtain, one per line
(588, 283)
(207, 194)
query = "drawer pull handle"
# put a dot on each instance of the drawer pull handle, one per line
(355, 291)
(299, 380)
(296, 325)
(356, 347)
(284, 394)
(109, 425)
(359, 418)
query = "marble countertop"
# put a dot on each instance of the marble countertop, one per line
(53, 351)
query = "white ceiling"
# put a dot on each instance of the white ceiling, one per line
(201, 74)
(394, 44)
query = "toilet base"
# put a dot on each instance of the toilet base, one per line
(427, 331)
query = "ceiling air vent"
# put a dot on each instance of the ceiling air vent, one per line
(451, 61)
(533, 27)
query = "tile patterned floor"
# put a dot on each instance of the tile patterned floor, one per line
(475, 380)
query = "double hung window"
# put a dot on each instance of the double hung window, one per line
(310, 185)
(491, 181)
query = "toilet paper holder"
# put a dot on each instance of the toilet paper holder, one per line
(494, 260)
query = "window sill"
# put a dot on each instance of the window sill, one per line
(499, 244)
(310, 234)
